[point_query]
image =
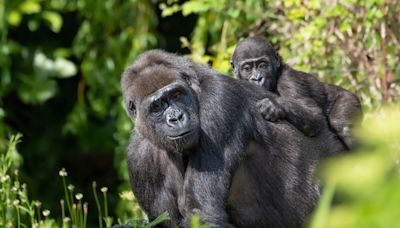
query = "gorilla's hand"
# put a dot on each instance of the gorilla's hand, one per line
(270, 109)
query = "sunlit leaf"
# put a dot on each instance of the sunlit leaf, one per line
(60, 68)
(54, 19)
(194, 7)
(64, 68)
(368, 179)
(14, 18)
(30, 6)
(169, 10)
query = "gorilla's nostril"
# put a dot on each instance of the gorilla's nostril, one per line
(179, 116)
(174, 118)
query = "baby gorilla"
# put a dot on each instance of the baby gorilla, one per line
(301, 98)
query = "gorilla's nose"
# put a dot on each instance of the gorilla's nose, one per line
(259, 80)
(174, 118)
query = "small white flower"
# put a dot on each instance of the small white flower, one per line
(46, 213)
(16, 202)
(71, 187)
(63, 172)
(79, 196)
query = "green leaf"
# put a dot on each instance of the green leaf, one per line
(60, 68)
(194, 7)
(30, 7)
(322, 211)
(14, 18)
(234, 13)
(168, 11)
(64, 68)
(35, 89)
(164, 216)
(297, 13)
(2, 113)
(33, 25)
(54, 19)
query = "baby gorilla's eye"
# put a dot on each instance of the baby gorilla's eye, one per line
(263, 65)
(247, 67)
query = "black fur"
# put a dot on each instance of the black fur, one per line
(242, 171)
(302, 99)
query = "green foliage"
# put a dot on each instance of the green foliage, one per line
(61, 61)
(354, 44)
(17, 210)
(366, 182)
(195, 222)
(15, 207)
(51, 50)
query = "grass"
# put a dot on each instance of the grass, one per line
(17, 210)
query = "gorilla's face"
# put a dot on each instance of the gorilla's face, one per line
(256, 61)
(168, 115)
(257, 70)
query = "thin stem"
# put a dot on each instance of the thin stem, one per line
(62, 211)
(67, 196)
(105, 204)
(98, 204)
(73, 211)
(18, 217)
(85, 213)
(4, 21)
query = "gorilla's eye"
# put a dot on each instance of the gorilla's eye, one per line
(247, 67)
(262, 65)
(177, 95)
(157, 106)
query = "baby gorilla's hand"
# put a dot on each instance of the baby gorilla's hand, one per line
(270, 109)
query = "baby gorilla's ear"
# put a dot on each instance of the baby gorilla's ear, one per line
(278, 59)
(186, 77)
(235, 70)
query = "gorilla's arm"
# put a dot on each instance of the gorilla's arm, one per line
(225, 133)
(296, 104)
(299, 93)
(343, 108)
(156, 179)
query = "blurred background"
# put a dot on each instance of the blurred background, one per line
(61, 62)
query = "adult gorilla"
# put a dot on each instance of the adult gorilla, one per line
(199, 148)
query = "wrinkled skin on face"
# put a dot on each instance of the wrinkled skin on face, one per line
(167, 112)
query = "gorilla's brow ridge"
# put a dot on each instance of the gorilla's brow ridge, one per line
(152, 79)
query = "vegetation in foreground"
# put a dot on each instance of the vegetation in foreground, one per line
(361, 189)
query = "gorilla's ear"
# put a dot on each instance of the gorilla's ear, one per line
(186, 77)
(278, 59)
(234, 69)
(132, 108)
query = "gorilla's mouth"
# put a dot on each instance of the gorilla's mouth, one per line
(260, 81)
(181, 135)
